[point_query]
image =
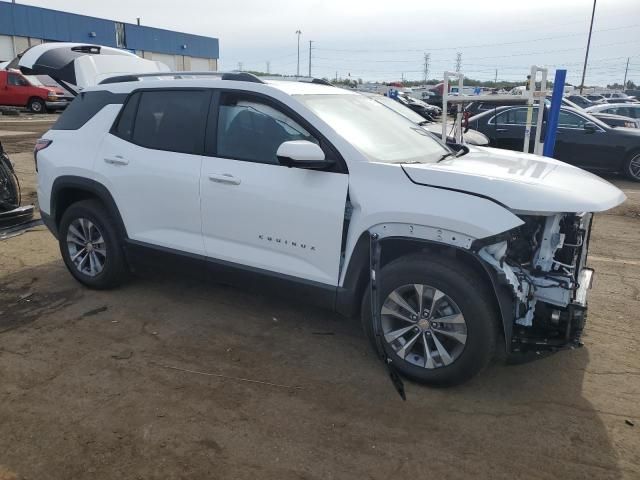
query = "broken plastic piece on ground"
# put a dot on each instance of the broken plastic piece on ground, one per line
(15, 217)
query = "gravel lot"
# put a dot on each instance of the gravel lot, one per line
(167, 378)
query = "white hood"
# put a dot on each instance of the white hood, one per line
(520, 181)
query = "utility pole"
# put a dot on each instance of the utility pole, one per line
(138, 21)
(586, 55)
(268, 67)
(240, 66)
(336, 76)
(310, 48)
(298, 33)
(624, 84)
(427, 57)
(458, 61)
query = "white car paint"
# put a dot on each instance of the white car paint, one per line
(522, 182)
(157, 193)
(285, 220)
(91, 69)
(183, 201)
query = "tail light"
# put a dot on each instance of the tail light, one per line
(41, 144)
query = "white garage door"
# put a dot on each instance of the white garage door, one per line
(169, 60)
(199, 64)
(6, 48)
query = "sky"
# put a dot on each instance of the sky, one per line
(385, 41)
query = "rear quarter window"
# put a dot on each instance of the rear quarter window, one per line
(84, 107)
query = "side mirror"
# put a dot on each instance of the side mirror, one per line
(589, 127)
(302, 154)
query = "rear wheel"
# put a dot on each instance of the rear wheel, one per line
(632, 167)
(36, 105)
(437, 322)
(90, 245)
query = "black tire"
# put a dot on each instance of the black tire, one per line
(115, 270)
(9, 187)
(467, 290)
(36, 105)
(632, 166)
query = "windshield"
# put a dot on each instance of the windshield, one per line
(399, 108)
(33, 80)
(378, 132)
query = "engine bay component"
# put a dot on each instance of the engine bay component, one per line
(544, 264)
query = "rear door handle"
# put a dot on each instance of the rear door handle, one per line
(502, 130)
(116, 160)
(226, 178)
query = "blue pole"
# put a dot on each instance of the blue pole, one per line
(554, 113)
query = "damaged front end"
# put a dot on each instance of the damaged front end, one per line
(543, 263)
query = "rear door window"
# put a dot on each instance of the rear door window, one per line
(516, 116)
(124, 128)
(171, 120)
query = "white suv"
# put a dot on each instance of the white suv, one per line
(312, 191)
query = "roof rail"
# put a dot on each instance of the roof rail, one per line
(319, 81)
(241, 77)
(133, 77)
(234, 76)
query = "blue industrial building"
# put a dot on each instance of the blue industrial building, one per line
(22, 26)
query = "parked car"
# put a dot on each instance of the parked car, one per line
(19, 90)
(480, 106)
(475, 108)
(596, 99)
(619, 97)
(582, 139)
(470, 137)
(305, 189)
(429, 112)
(631, 110)
(580, 100)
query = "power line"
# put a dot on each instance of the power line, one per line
(498, 44)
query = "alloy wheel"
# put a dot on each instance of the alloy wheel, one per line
(634, 167)
(424, 326)
(86, 247)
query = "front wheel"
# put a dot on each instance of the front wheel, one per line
(632, 167)
(437, 321)
(36, 105)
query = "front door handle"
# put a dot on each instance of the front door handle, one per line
(226, 178)
(502, 130)
(116, 160)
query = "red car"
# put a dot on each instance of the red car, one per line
(18, 90)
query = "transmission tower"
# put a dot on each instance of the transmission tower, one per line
(458, 61)
(427, 57)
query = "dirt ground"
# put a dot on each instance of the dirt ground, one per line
(167, 378)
